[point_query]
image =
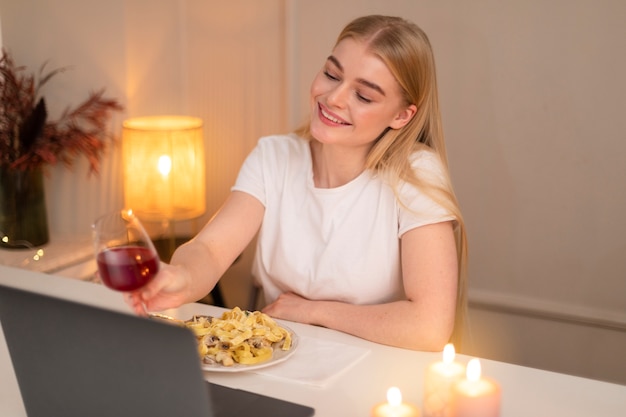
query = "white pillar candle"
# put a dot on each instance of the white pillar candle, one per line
(439, 378)
(475, 396)
(394, 407)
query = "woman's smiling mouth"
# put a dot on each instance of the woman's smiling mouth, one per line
(330, 118)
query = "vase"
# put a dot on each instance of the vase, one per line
(23, 216)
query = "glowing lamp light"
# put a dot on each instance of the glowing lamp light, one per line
(164, 167)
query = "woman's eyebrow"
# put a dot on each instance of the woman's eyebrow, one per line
(366, 83)
(335, 61)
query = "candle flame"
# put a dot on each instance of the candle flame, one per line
(448, 353)
(473, 370)
(394, 396)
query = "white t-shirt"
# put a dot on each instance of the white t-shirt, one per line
(338, 244)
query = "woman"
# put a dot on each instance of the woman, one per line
(359, 228)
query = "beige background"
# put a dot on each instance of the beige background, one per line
(532, 96)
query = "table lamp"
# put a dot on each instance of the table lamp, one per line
(164, 175)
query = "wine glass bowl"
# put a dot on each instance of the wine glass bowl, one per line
(126, 257)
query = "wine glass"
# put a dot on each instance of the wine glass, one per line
(126, 257)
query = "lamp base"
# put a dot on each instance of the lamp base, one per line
(166, 247)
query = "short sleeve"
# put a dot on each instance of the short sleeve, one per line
(251, 175)
(419, 209)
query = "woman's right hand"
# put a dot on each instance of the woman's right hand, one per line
(169, 289)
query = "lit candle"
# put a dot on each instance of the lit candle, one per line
(475, 396)
(438, 383)
(394, 407)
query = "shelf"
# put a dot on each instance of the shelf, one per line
(54, 256)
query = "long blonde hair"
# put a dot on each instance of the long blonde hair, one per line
(407, 52)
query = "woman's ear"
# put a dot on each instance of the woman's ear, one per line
(403, 117)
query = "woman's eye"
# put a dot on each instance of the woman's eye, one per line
(359, 96)
(363, 98)
(330, 76)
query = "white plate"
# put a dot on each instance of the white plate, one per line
(278, 356)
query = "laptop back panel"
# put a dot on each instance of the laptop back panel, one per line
(76, 360)
(73, 360)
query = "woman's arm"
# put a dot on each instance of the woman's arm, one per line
(424, 321)
(197, 265)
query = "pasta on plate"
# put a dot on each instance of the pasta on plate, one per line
(238, 337)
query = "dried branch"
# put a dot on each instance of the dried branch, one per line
(28, 140)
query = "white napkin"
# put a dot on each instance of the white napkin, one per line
(316, 362)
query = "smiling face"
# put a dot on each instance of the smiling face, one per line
(354, 98)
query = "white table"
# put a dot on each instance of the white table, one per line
(526, 391)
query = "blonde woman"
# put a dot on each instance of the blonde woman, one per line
(358, 226)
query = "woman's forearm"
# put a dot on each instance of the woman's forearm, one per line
(202, 266)
(398, 323)
(420, 325)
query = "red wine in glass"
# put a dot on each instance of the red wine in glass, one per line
(126, 257)
(127, 268)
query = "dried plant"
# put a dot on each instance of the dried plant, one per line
(28, 140)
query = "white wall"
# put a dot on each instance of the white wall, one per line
(532, 94)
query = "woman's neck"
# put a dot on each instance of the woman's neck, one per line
(334, 166)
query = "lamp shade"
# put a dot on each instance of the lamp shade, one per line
(164, 168)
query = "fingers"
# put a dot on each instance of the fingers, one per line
(135, 302)
(166, 290)
(147, 294)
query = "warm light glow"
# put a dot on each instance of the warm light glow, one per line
(127, 214)
(473, 370)
(394, 396)
(164, 167)
(448, 353)
(5, 239)
(38, 255)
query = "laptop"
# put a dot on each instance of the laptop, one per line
(77, 360)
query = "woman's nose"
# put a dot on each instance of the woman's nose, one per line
(338, 96)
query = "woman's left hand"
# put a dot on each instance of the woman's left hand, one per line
(291, 307)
